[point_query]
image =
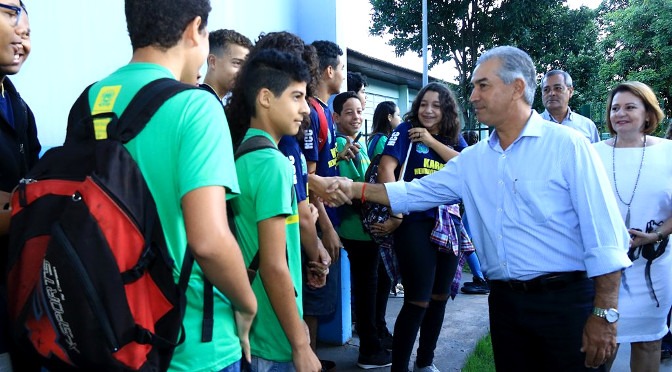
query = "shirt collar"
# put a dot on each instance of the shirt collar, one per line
(533, 128)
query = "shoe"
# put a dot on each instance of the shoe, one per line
(477, 281)
(430, 368)
(380, 359)
(478, 286)
(385, 339)
(665, 351)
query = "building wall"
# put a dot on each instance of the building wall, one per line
(78, 43)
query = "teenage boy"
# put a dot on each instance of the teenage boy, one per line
(362, 251)
(357, 83)
(186, 157)
(228, 50)
(269, 99)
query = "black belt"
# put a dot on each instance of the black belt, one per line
(543, 283)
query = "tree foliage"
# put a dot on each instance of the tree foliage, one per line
(460, 30)
(638, 46)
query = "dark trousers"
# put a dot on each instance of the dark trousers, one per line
(364, 258)
(424, 272)
(383, 294)
(540, 331)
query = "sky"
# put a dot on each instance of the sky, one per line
(358, 38)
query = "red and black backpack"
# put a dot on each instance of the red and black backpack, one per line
(90, 281)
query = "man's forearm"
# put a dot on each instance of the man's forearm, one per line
(606, 290)
(373, 192)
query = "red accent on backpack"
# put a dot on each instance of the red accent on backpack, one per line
(323, 133)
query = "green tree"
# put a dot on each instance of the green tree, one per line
(459, 30)
(638, 46)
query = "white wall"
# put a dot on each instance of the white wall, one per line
(77, 42)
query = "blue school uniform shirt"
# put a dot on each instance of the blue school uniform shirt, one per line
(422, 161)
(326, 159)
(291, 148)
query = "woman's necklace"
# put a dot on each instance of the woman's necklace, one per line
(613, 167)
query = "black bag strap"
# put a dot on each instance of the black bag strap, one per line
(80, 109)
(143, 106)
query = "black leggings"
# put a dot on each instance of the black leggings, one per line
(424, 271)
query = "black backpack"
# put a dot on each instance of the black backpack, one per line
(90, 281)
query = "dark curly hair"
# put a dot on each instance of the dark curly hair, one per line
(328, 52)
(356, 81)
(449, 128)
(160, 23)
(270, 69)
(380, 122)
(290, 43)
(221, 39)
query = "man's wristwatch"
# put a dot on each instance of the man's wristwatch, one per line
(610, 315)
(659, 236)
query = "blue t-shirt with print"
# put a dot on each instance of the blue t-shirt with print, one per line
(290, 147)
(326, 159)
(422, 161)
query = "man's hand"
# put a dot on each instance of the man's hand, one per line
(305, 359)
(599, 341)
(326, 188)
(341, 184)
(243, 325)
(332, 243)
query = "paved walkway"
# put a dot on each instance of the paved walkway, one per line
(465, 323)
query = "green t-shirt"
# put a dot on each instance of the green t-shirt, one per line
(266, 181)
(380, 146)
(186, 145)
(351, 221)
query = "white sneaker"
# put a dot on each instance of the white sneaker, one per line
(430, 368)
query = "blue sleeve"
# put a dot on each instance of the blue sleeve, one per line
(310, 144)
(398, 143)
(461, 143)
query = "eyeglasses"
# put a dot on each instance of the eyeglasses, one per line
(14, 13)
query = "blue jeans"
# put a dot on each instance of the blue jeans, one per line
(233, 367)
(263, 365)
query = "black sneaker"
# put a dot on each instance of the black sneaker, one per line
(478, 286)
(380, 359)
(385, 339)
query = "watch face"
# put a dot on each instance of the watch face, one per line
(611, 316)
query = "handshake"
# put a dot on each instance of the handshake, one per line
(332, 191)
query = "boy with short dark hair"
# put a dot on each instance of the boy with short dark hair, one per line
(268, 101)
(186, 158)
(228, 51)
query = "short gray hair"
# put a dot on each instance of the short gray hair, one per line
(515, 64)
(565, 75)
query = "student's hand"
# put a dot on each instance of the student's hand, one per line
(326, 188)
(421, 135)
(316, 274)
(350, 151)
(305, 360)
(322, 254)
(314, 213)
(342, 185)
(332, 243)
(243, 325)
(599, 341)
(638, 238)
(385, 228)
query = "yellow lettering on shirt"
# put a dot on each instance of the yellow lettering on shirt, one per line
(432, 164)
(292, 219)
(104, 103)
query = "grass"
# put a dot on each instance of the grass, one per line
(482, 359)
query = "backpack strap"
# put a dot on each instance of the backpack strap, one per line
(323, 133)
(80, 110)
(143, 106)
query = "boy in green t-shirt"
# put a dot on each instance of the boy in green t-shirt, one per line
(185, 155)
(269, 100)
